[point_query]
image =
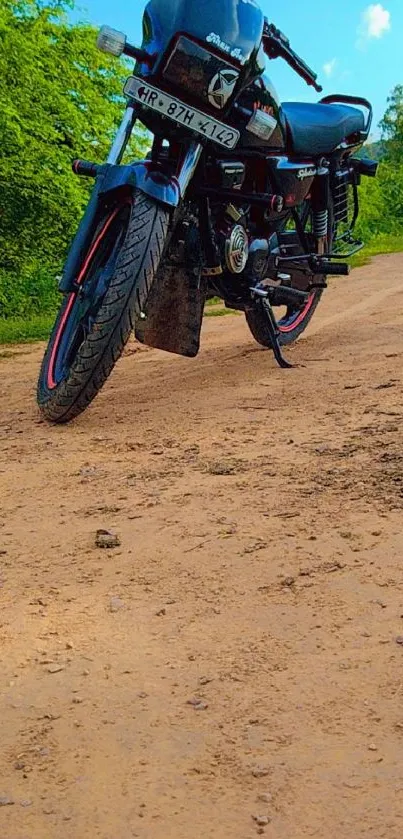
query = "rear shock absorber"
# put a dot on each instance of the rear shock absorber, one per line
(320, 220)
(320, 203)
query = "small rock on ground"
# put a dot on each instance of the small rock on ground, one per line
(106, 539)
(115, 604)
(260, 771)
(261, 820)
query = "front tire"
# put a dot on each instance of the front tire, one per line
(95, 321)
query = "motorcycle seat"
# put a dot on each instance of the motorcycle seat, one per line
(315, 129)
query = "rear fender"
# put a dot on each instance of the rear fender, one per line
(144, 176)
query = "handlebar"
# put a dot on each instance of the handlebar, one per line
(277, 45)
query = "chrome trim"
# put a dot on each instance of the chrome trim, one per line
(188, 166)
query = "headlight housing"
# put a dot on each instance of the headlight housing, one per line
(205, 75)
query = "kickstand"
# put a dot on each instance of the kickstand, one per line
(274, 333)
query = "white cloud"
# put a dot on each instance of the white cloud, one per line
(375, 21)
(329, 67)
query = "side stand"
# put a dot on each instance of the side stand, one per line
(274, 333)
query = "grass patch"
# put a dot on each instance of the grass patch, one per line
(219, 311)
(28, 330)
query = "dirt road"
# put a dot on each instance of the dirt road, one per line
(235, 666)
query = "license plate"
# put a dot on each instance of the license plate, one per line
(180, 113)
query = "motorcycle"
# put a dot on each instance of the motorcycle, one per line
(240, 197)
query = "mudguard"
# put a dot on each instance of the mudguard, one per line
(145, 176)
(174, 311)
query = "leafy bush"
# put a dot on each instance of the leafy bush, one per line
(60, 98)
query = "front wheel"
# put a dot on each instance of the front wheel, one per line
(290, 325)
(95, 320)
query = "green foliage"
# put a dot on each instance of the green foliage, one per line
(60, 99)
(375, 151)
(381, 199)
(392, 126)
(25, 330)
(381, 202)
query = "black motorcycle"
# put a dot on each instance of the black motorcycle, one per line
(240, 197)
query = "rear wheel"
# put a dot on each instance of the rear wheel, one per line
(95, 321)
(291, 321)
(290, 325)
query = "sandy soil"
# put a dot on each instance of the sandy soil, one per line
(235, 666)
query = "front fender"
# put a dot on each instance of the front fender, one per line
(147, 177)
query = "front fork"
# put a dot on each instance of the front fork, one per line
(145, 176)
(122, 136)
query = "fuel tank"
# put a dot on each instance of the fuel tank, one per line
(232, 27)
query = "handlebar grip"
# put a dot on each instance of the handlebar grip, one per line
(85, 167)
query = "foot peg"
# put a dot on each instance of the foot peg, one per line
(281, 295)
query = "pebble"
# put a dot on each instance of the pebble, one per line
(204, 680)
(288, 581)
(260, 771)
(6, 800)
(266, 797)
(372, 747)
(197, 703)
(115, 604)
(262, 821)
(161, 612)
(380, 603)
(399, 639)
(106, 539)
(25, 802)
(55, 668)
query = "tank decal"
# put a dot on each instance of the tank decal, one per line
(234, 52)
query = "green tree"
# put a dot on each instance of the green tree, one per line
(60, 98)
(392, 126)
(381, 200)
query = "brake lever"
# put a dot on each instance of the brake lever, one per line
(277, 45)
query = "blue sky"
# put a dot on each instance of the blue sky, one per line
(356, 46)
